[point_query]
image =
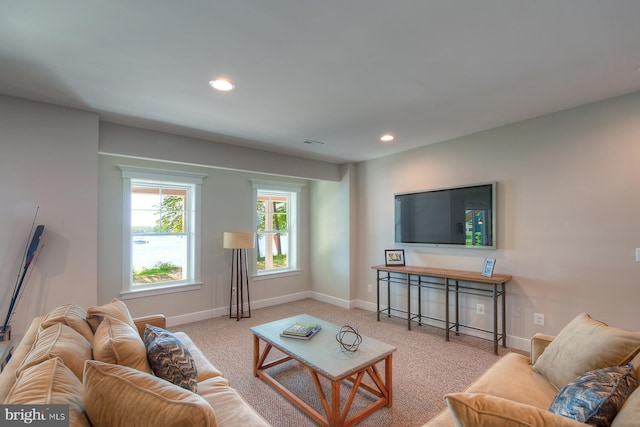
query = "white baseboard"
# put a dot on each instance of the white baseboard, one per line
(281, 299)
(332, 300)
(514, 342)
(365, 305)
(194, 317)
(519, 343)
(224, 311)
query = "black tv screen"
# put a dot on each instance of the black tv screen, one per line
(460, 216)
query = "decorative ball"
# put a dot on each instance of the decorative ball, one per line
(349, 338)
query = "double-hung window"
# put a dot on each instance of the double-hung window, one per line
(276, 218)
(161, 228)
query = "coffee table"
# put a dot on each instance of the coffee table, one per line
(323, 356)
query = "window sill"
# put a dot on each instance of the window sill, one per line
(275, 275)
(171, 289)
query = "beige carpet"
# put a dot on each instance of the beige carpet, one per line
(425, 366)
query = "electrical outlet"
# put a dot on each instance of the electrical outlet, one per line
(370, 288)
(637, 254)
(538, 319)
(480, 308)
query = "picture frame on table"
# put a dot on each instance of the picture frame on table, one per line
(487, 270)
(394, 257)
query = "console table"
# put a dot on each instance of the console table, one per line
(450, 281)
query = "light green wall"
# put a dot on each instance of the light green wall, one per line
(226, 206)
(333, 239)
(568, 203)
(47, 160)
(561, 179)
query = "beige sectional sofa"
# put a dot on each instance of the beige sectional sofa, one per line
(519, 390)
(96, 362)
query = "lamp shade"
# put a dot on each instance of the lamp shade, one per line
(238, 240)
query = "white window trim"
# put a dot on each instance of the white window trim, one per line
(159, 176)
(294, 250)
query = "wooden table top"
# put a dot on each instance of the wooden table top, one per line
(471, 276)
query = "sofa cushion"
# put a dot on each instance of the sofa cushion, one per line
(533, 389)
(119, 396)
(170, 359)
(229, 406)
(71, 315)
(117, 342)
(585, 345)
(596, 396)
(483, 410)
(50, 383)
(205, 368)
(116, 309)
(60, 341)
(629, 414)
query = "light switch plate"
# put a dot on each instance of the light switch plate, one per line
(637, 254)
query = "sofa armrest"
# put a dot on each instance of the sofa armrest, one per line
(538, 343)
(158, 320)
(485, 410)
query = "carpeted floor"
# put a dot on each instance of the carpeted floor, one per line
(425, 366)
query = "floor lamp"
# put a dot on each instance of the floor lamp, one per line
(239, 242)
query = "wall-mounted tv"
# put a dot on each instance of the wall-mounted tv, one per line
(455, 217)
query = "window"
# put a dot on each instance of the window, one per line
(276, 219)
(161, 226)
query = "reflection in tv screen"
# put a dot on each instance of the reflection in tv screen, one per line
(461, 216)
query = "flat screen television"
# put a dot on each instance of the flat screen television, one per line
(455, 217)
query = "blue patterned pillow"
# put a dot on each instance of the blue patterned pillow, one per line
(596, 397)
(170, 359)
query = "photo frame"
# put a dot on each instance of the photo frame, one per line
(394, 257)
(487, 270)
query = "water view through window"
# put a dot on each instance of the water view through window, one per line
(159, 231)
(161, 251)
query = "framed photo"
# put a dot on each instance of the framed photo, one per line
(489, 263)
(394, 257)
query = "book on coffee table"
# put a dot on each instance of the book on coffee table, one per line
(301, 330)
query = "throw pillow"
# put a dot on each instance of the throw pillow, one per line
(59, 341)
(170, 359)
(596, 397)
(117, 342)
(116, 309)
(485, 410)
(119, 396)
(71, 315)
(585, 345)
(50, 383)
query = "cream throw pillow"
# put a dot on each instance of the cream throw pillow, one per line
(117, 342)
(71, 315)
(115, 308)
(585, 345)
(484, 410)
(60, 341)
(50, 383)
(118, 396)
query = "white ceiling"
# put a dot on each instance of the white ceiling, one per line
(342, 72)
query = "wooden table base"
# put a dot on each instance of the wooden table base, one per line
(335, 415)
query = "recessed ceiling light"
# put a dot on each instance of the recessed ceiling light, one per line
(386, 138)
(221, 84)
